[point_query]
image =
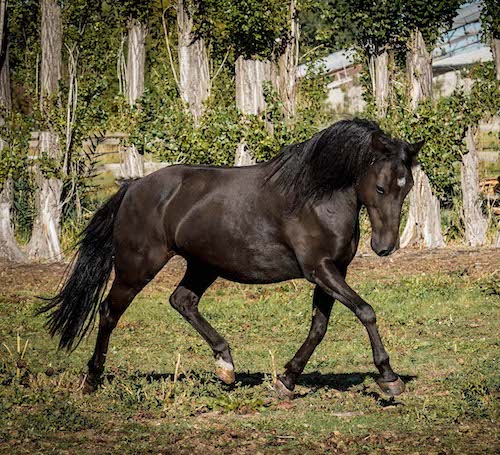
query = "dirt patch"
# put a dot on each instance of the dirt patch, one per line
(44, 278)
(472, 262)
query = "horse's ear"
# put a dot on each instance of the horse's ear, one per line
(414, 149)
(380, 142)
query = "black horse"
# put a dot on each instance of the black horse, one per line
(295, 216)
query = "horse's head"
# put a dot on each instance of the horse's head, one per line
(383, 188)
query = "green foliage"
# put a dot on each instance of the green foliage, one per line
(253, 28)
(375, 27)
(322, 31)
(371, 26)
(23, 22)
(159, 124)
(86, 27)
(15, 131)
(442, 123)
(431, 18)
(15, 165)
(124, 10)
(162, 126)
(490, 18)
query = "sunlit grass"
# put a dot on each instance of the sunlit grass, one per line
(441, 331)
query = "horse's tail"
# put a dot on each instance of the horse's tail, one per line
(74, 309)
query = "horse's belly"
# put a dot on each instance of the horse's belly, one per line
(262, 273)
(245, 262)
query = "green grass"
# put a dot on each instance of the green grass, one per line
(441, 331)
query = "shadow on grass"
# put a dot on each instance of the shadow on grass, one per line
(314, 381)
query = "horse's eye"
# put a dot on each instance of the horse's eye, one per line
(380, 190)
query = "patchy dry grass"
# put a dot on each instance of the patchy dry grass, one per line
(438, 317)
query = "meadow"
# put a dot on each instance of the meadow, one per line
(438, 314)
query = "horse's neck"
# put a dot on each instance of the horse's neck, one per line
(343, 203)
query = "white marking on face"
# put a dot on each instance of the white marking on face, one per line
(401, 182)
(224, 365)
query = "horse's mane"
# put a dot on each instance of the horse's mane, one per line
(332, 160)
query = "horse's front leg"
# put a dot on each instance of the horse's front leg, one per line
(329, 278)
(322, 307)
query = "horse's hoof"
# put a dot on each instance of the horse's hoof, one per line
(89, 387)
(393, 389)
(281, 390)
(225, 372)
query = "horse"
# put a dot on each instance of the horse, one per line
(294, 216)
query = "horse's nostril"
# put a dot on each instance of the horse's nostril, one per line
(387, 251)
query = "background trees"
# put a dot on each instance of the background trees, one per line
(490, 17)
(8, 245)
(44, 242)
(422, 29)
(206, 81)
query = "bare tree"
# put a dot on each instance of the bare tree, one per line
(495, 50)
(9, 248)
(379, 66)
(476, 224)
(251, 75)
(44, 242)
(288, 64)
(132, 165)
(423, 227)
(194, 71)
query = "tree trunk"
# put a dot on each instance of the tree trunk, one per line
(8, 245)
(423, 227)
(476, 224)
(132, 165)
(50, 72)
(44, 242)
(9, 248)
(424, 221)
(288, 65)
(250, 77)
(194, 72)
(380, 76)
(495, 50)
(419, 69)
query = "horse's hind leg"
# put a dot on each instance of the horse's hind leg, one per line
(132, 274)
(322, 307)
(112, 308)
(185, 300)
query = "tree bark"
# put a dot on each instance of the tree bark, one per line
(250, 77)
(476, 224)
(288, 64)
(423, 227)
(50, 72)
(132, 165)
(495, 50)
(380, 77)
(9, 248)
(419, 69)
(44, 243)
(424, 220)
(194, 71)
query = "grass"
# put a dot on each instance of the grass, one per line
(441, 330)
